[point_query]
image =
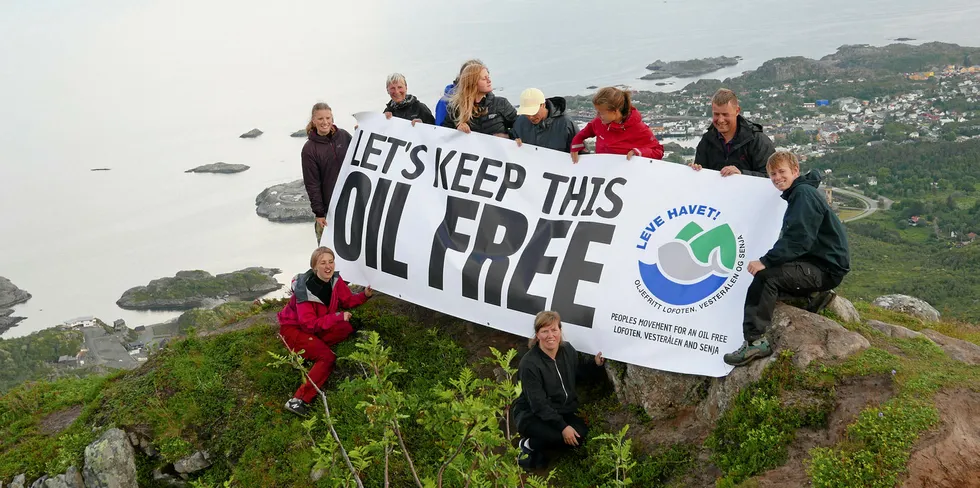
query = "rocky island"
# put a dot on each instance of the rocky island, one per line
(10, 295)
(299, 133)
(689, 68)
(190, 289)
(219, 167)
(285, 202)
(252, 134)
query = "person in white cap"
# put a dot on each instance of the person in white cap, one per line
(542, 122)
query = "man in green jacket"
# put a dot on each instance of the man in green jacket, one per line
(810, 256)
(732, 145)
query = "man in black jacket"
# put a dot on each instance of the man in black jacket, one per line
(403, 105)
(732, 145)
(810, 256)
(542, 122)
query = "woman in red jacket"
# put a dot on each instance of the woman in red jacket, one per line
(618, 128)
(312, 322)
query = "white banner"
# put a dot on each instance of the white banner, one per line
(645, 260)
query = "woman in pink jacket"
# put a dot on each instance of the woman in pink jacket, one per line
(312, 321)
(618, 128)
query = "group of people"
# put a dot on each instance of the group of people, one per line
(809, 259)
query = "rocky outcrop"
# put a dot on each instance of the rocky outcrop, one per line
(70, 479)
(252, 134)
(299, 133)
(687, 69)
(915, 307)
(844, 309)
(664, 395)
(110, 462)
(191, 289)
(193, 463)
(286, 202)
(895, 331)
(219, 167)
(960, 350)
(10, 295)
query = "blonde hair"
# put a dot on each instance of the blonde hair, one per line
(724, 96)
(541, 320)
(466, 64)
(318, 106)
(467, 91)
(318, 253)
(612, 98)
(780, 158)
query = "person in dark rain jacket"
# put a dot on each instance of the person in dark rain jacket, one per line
(403, 105)
(542, 122)
(323, 155)
(474, 108)
(732, 145)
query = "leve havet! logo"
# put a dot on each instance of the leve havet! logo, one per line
(689, 260)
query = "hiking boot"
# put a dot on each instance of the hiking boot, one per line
(749, 352)
(297, 406)
(820, 301)
(529, 459)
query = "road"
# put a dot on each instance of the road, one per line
(871, 205)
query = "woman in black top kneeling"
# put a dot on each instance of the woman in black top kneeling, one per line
(545, 411)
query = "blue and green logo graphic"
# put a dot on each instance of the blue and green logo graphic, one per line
(701, 260)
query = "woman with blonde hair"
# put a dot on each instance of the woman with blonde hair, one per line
(312, 321)
(545, 411)
(323, 155)
(474, 108)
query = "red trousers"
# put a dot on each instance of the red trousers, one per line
(316, 348)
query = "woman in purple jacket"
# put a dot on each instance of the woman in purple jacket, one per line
(323, 154)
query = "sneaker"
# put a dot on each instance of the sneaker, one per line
(749, 352)
(528, 459)
(820, 301)
(297, 406)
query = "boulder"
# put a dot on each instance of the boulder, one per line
(40, 482)
(299, 133)
(252, 134)
(285, 202)
(110, 462)
(11, 295)
(844, 309)
(896, 331)
(18, 481)
(190, 289)
(193, 463)
(908, 305)
(960, 350)
(70, 479)
(222, 168)
(165, 478)
(663, 394)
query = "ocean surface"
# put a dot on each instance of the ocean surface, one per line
(151, 88)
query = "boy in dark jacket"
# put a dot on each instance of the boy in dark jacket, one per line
(542, 122)
(732, 145)
(810, 256)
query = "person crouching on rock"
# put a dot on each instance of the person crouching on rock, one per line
(618, 128)
(811, 256)
(545, 410)
(312, 322)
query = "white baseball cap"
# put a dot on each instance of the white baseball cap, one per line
(531, 100)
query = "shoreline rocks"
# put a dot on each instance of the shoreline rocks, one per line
(219, 167)
(299, 133)
(10, 295)
(192, 289)
(252, 134)
(285, 202)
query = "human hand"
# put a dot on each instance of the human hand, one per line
(755, 267)
(415, 121)
(570, 436)
(695, 167)
(321, 220)
(388, 115)
(574, 158)
(730, 170)
(519, 142)
(630, 154)
(599, 360)
(368, 292)
(347, 316)
(464, 128)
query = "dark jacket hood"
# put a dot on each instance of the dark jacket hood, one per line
(811, 178)
(556, 107)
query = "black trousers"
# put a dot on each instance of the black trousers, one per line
(797, 278)
(543, 435)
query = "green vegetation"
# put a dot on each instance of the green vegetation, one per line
(33, 357)
(207, 319)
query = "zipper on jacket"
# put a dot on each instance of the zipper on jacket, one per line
(560, 380)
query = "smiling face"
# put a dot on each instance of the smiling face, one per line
(396, 91)
(323, 121)
(549, 337)
(782, 176)
(324, 267)
(725, 118)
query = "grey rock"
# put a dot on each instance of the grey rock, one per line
(18, 481)
(110, 462)
(299, 133)
(133, 439)
(909, 305)
(222, 168)
(960, 350)
(164, 293)
(285, 202)
(70, 479)
(316, 474)
(844, 309)
(166, 478)
(252, 134)
(663, 394)
(193, 463)
(10, 295)
(896, 331)
(39, 483)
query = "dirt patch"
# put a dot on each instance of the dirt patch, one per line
(950, 455)
(853, 396)
(57, 422)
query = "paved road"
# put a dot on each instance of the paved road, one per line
(871, 205)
